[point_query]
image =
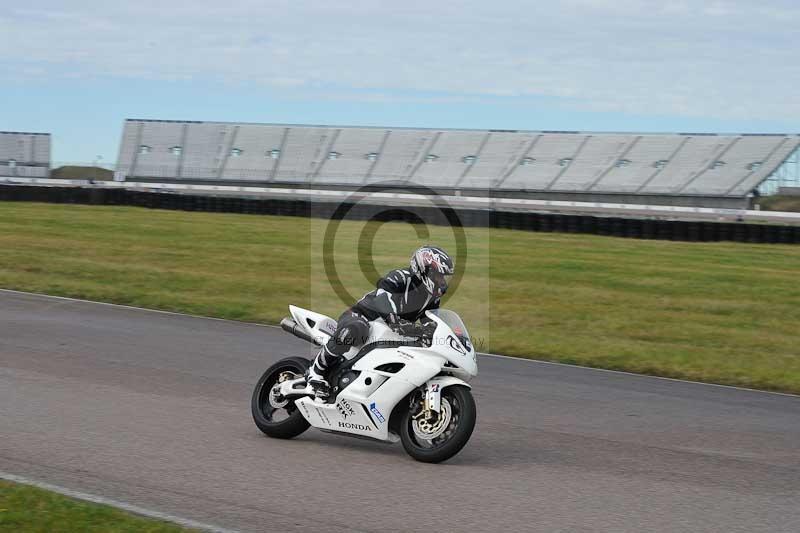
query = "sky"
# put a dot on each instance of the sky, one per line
(78, 69)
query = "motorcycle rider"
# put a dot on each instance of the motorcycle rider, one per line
(400, 299)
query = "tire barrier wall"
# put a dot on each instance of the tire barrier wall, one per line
(674, 230)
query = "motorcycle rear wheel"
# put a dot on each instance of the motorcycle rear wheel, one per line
(459, 406)
(279, 419)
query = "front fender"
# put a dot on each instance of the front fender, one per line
(433, 390)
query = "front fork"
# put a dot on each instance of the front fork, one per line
(431, 404)
(432, 398)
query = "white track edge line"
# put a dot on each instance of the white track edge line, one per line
(634, 374)
(135, 509)
(176, 313)
(487, 354)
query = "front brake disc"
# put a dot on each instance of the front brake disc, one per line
(430, 429)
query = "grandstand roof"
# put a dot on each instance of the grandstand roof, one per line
(554, 161)
(22, 133)
(415, 128)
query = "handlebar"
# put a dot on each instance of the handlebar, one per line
(412, 329)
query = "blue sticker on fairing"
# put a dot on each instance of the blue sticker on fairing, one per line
(377, 413)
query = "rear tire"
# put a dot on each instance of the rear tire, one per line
(458, 399)
(265, 413)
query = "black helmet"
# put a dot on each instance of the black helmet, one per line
(432, 266)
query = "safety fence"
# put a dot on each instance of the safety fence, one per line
(675, 230)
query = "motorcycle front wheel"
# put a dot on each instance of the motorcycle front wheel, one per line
(274, 416)
(441, 437)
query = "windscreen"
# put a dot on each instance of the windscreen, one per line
(454, 322)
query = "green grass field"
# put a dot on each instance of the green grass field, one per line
(780, 203)
(25, 509)
(718, 312)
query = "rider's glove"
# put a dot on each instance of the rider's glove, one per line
(400, 325)
(404, 325)
(419, 331)
(427, 323)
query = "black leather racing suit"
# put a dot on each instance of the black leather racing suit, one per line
(398, 296)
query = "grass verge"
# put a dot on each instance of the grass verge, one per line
(26, 509)
(780, 203)
(717, 312)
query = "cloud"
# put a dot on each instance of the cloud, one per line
(717, 59)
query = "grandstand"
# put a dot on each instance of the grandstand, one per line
(689, 169)
(24, 154)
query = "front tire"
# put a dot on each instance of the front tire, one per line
(279, 419)
(442, 439)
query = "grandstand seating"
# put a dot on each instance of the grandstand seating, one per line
(253, 144)
(402, 150)
(24, 154)
(637, 164)
(499, 155)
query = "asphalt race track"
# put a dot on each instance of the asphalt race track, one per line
(153, 409)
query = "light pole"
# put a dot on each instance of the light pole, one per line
(94, 171)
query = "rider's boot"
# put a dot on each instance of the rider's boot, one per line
(315, 375)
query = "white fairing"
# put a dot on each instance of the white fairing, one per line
(365, 406)
(319, 326)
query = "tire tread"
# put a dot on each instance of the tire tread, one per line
(455, 445)
(295, 424)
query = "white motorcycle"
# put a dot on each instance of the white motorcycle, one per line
(395, 387)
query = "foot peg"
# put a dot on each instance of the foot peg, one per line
(321, 389)
(317, 383)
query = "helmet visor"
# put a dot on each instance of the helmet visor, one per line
(440, 281)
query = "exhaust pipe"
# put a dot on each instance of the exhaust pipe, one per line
(289, 325)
